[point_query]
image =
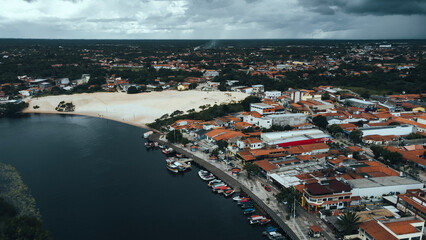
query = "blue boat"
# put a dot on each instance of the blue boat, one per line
(268, 230)
(248, 210)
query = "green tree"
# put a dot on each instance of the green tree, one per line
(377, 151)
(356, 136)
(222, 86)
(22, 228)
(334, 128)
(248, 100)
(414, 136)
(251, 168)
(6, 210)
(320, 121)
(174, 136)
(349, 222)
(132, 90)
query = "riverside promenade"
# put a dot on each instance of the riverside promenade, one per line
(236, 185)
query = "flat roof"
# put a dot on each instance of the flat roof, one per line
(381, 182)
(360, 101)
(286, 115)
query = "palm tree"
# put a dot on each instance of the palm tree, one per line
(349, 222)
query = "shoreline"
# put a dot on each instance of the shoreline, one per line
(142, 126)
(133, 109)
(201, 162)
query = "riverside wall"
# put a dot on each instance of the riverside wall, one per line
(231, 182)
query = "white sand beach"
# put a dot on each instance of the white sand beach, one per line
(135, 109)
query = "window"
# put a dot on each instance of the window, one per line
(415, 238)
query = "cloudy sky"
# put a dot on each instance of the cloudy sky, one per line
(213, 19)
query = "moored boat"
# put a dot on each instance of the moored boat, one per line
(236, 198)
(214, 181)
(219, 188)
(172, 168)
(255, 219)
(264, 221)
(248, 211)
(228, 192)
(168, 151)
(269, 229)
(275, 235)
(243, 200)
(147, 134)
(247, 205)
(205, 175)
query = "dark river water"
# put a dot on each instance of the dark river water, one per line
(93, 179)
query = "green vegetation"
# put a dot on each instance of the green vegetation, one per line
(14, 191)
(393, 159)
(334, 129)
(65, 107)
(320, 121)
(12, 109)
(251, 168)
(207, 113)
(289, 195)
(356, 136)
(349, 222)
(132, 90)
(19, 219)
(276, 128)
(414, 136)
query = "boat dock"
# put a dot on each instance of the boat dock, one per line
(231, 182)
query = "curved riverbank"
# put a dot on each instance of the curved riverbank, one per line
(96, 176)
(230, 181)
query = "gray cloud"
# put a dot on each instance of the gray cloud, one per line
(367, 7)
(213, 19)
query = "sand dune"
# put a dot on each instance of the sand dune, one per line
(134, 109)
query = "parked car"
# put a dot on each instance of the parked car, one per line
(267, 188)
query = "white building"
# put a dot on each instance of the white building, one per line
(379, 186)
(397, 130)
(272, 94)
(288, 119)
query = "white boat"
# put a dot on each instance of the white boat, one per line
(214, 181)
(147, 134)
(172, 168)
(205, 175)
(255, 219)
(175, 165)
(275, 235)
(237, 198)
(217, 185)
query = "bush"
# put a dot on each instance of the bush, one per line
(132, 90)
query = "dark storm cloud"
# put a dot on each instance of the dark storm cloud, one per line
(213, 18)
(367, 7)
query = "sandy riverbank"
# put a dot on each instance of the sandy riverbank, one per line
(134, 109)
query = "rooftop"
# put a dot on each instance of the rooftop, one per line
(381, 182)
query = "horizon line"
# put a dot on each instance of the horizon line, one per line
(216, 39)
